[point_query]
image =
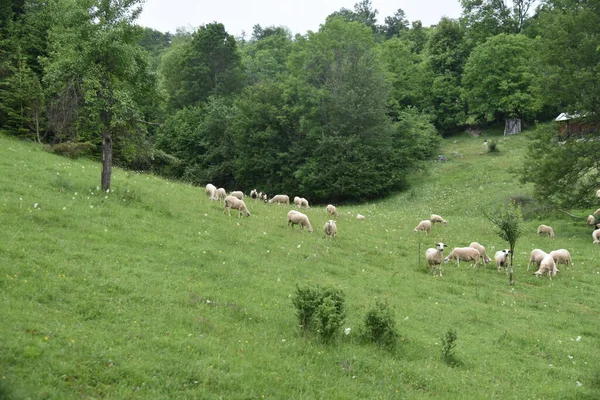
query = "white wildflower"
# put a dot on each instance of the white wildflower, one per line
(35, 205)
(298, 246)
(579, 384)
(578, 339)
(347, 331)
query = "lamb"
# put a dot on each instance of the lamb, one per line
(596, 236)
(436, 218)
(536, 257)
(547, 266)
(238, 194)
(434, 257)
(464, 254)
(221, 194)
(280, 199)
(211, 191)
(297, 218)
(481, 251)
(360, 216)
(330, 229)
(263, 196)
(545, 229)
(236, 204)
(501, 258)
(424, 225)
(561, 256)
(253, 194)
(591, 220)
(331, 210)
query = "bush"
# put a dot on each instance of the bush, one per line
(71, 149)
(448, 345)
(380, 325)
(320, 310)
(493, 146)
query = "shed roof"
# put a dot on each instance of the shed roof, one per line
(566, 117)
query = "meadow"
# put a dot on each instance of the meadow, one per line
(151, 292)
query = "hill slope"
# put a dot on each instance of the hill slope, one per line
(150, 291)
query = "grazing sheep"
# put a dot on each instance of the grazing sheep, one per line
(596, 236)
(436, 218)
(297, 218)
(238, 194)
(280, 199)
(297, 201)
(435, 257)
(263, 196)
(360, 216)
(545, 229)
(221, 194)
(236, 204)
(547, 266)
(304, 203)
(536, 257)
(464, 254)
(591, 220)
(253, 194)
(561, 256)
(597, 212)
(330, 229)
(331, 210)
(424, 225)
(501, 258)
(598, 193)
(481, 251)
(211, 191)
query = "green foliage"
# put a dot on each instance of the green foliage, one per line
(564, 174)
(265, 57)
(448, 346)
(320, 309)
(508, 222)
(499, 79)
(380, 325)
(71, 149)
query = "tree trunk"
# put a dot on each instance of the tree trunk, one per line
(106, 161)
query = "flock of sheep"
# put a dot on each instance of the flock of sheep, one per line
(235, 200)
(475, 253)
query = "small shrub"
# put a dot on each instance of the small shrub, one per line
(71, 149)
(493, 146)
(380, 325)
(448, 345)
(320, 310)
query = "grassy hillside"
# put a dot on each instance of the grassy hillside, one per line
(151, 291)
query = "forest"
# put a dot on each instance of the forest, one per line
(346, 113)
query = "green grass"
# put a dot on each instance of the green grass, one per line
(151, 292)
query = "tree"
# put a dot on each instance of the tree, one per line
(499, 79)
(508, 227)
(210, 66)
(265, 58)
(96, 66)
(363, 13)
(394, 24)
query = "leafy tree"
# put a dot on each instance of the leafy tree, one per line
(363, 13)
(209, 66)
(487, 18)
(499, 79)
(96, 67)
(266, 58)
(394, 24)
(417, 35)
(508, 222)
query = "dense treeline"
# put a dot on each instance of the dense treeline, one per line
(344, 113)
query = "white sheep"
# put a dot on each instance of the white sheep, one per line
(263, 196)
(501, 258)
(598, 193)
(330, 229)
(280, 199)
(331, 210)
(211, 191)
(464, 254)
(360, 216)
(236, 204)
(562, 256)
(597, 212)
(237, 194)
(596, 236)
(221, 194)
(481, 249)
(591, 220)
(424, 225)
(304, 203)
(545, 229)
(536, 257)
(547, 266)
(253, 194)
(297, 218)
(297, 201)
(436, 218)
(435, 257)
